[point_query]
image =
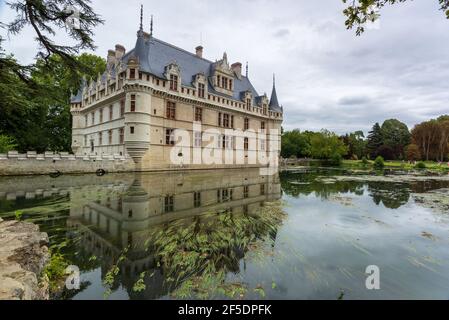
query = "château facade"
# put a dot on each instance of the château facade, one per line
(155, 89)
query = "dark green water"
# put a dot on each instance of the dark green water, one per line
(236, 234)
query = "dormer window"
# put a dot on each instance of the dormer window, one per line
(248, 103)
(132, 73)
(201, 90)
(173, 82)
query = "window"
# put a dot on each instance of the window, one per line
(262, 189)
(173, 82)
(133, 103)
(245, 192)
(132, 73)
(101, 115)
(131, 130)
(219, 119)
(198, 114)
(111, 113)
(226, 120)
(140, 75)
(110, 136)
(232, 122)
(262, 125)
(198, 140)
(263, 144)
(93, 118)
(171, 110)
(248, 104)
(122, 135)
(246, 144)
(201, 90)
(169, 204)
(230, 84)
(218, 80)
(86, 119)
(246, 124)
(197, 199)
(100, 138)
(169, 136)
(122, 108)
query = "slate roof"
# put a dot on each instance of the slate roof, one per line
(154, 55)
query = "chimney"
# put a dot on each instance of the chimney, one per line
(111, 58)
(199, 51)
(119, 51)
(237, 67)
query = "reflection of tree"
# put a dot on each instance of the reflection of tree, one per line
(392, 195)
(306, 184)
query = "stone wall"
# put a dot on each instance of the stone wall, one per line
(31, 163)
(23, 257)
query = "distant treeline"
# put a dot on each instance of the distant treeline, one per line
(392, 140)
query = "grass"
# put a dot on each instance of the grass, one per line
(430, 165)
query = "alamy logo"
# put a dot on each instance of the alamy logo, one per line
(73, 281)
(73, 20)
(373, 280)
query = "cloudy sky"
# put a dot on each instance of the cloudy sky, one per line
(326, 76)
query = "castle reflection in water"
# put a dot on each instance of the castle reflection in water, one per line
(110, 214)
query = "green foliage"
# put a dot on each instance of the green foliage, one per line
(327, 146)
(56, 270)
(375, 140)
(359, 12)
(379, 163)
(356, 144)
(420, 165)
(396, 136)
(365, 161)
(38, 117)
(296, 144)
(7, 143)
(18, 215)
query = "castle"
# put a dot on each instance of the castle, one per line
(154, 90)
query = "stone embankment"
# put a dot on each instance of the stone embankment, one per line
(31, 163)
(23, 257)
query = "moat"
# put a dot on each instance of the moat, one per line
(238, 235)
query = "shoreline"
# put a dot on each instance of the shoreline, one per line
(24, 255)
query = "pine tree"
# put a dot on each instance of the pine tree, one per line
(375, 140)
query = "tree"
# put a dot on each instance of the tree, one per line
(396, 136)
(6, 144)
(327, 145)
(375, 140)
(426, 136)
(359, 12)
(412, 152)
(46, 18)
(386, 152)
(296, 143)
(39, 119)
(356, 144)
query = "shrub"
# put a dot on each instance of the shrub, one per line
(336, 159)
(379, 163)
(420, 165)
(365, 161)
(6, 143)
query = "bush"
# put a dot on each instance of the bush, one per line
(6, 143)
(379, 163)
(420, 165)
(365, 161)
(336, 159)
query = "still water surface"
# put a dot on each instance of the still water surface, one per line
(236, 234)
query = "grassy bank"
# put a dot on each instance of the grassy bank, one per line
(429, 165)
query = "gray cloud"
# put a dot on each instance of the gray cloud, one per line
(326, 76)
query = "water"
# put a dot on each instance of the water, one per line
(235, 234)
